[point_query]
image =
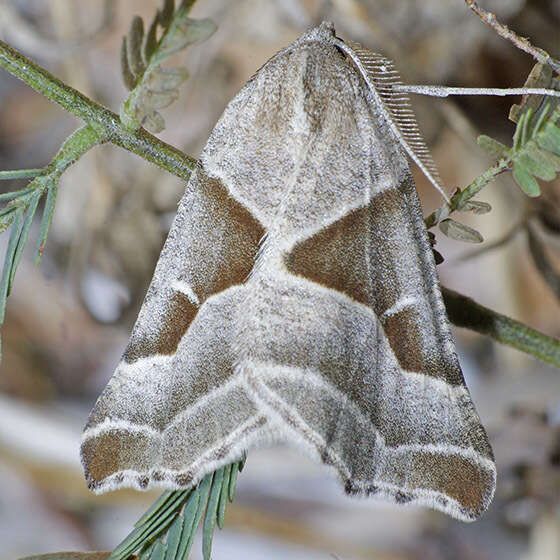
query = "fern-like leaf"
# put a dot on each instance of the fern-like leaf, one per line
(152, 86)
(536, 141)
(531, 159)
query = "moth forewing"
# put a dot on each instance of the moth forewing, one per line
(296, 300)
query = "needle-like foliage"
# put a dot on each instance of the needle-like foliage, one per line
(21, 206)
(166, 531)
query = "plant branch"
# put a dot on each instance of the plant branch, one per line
(521, 43)
(106, 124)
(465, 312)
(460, 197)
(20, 174)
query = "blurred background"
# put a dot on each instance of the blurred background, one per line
(68, 319)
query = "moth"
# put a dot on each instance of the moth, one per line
(296, 301)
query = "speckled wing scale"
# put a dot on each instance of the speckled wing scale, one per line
(296, 300)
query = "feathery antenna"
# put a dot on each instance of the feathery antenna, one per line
(382, 77)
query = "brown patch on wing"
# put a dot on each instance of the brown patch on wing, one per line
(405, 337)
(224, 240)
(117, 450)
(239, 242)
(180, 313)
(455, 476)
(335, 257)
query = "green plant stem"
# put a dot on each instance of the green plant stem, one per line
(465, 312)
(73, 148)
(460, 197)
(20, 173)
(106, 124)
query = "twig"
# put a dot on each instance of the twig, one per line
(504, 31)
(460, 197)
(465, 312)
(106, 123)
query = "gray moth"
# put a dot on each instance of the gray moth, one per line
(296, 301)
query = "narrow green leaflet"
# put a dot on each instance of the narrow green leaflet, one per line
(221, 513)
(23, 235)
(149, 44)
(134, 41)
(166, 12)
(128, 76)
(493, 147)
(189, 515)
(528, 184)
(8, 261)
(476, 207)
(542, 116)
(19, 174)
(173, 538)
(459, 231)
(211, 512)
(233, 481)
(524, 125)
(46, 221)
(204, 489)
